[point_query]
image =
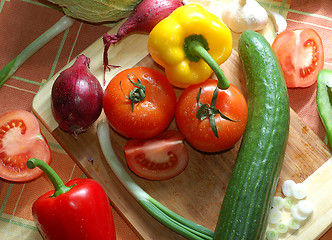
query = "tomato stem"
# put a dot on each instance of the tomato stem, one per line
(209, 110)
(138, 93)
(196, 48)
(58, 184)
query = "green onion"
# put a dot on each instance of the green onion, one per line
(63, 24)
(299, 191)
(288, 203)
(170, 219)
(287, 187)
(277, 202)
(293, 224)
(272, 234)
(281, 227)
(297, 215)
(275, 216)
(305, 207)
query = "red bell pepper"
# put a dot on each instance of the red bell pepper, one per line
(78, 210)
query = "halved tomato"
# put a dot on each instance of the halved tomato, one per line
(158, 158)
(21, 139)
(301, 56)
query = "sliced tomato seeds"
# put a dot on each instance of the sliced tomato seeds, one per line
(314, 61)
(301, 56)
(21, 139)
(158, 158)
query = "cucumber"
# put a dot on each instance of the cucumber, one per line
(253, 182)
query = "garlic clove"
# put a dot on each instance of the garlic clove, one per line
(241, 15)
(278, 20)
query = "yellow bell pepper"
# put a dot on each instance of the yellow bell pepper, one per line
(190, 44)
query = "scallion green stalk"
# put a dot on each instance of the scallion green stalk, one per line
(63, 24)
(164, 215)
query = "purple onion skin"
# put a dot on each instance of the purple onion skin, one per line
(76, 97)
(145, 16)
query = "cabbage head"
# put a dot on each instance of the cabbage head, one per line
(97, 11)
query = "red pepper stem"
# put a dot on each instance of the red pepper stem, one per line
(196, 47)
(58, 184)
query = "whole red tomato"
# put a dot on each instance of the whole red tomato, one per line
(198, 130)
(139, 102)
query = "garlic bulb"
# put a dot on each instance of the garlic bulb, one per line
(241, 15)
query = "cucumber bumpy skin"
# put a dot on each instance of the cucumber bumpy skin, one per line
(253, 182)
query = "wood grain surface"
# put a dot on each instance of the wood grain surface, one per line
(196, 193)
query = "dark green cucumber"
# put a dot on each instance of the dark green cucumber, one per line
(247, 201)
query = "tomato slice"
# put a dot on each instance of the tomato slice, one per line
(21, 139)
(158, 158)
(301, 56)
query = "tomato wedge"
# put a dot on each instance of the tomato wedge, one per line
(301, 56)
(158, 158)
(21, 139)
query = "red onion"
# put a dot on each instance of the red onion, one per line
(76, 97)
(144, 17)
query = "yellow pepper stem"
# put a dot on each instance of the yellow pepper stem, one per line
(196, 48)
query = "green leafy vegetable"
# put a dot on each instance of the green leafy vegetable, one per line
(97, 11)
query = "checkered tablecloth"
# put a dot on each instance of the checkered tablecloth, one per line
(21, 21)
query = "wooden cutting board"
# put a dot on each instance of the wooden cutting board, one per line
(196, 193)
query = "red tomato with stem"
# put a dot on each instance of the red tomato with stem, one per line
(139, 102)
(158, 158)
(198, 130)
(301, 56)
(21, 139)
